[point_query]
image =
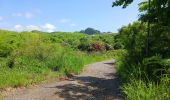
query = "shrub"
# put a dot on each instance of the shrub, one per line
(96, 47)
(149, 80)
(156, 68)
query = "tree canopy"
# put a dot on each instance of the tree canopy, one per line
(135, 39)
(123, 3)
(159, 10)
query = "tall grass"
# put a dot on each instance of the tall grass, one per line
(139, 90)
(30, 70)
(136, 83)
(29, 58)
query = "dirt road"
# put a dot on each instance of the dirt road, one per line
(98, 81)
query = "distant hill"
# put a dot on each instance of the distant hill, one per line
(90, 31)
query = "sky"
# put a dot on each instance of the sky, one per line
(65, 15)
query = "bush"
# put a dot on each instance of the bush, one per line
(96, 47)
(156, 68)
(151, 78)
(96, 43)
(32, 57)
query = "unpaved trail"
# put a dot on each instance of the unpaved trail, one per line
(98, 81)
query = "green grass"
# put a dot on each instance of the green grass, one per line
(32, 57)
(139, 90)
(136, 85)
(29, 58)
(30, 72)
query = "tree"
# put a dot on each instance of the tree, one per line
(159, 10)
(124, 3)
(159, 18)
(135, 38)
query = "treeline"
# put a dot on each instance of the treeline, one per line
(145, 64)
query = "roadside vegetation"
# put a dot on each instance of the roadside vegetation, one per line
(145, 72)
(31, 57)
(142, 59)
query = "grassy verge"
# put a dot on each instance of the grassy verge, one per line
(137, 86)
(27, 71)
(139, 90)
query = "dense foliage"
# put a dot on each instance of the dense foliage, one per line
(146, 72)
(31, 57)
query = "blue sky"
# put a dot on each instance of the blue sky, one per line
(64, 15)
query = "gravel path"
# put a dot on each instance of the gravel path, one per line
(97, 82)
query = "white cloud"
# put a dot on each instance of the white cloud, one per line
(49, 27)
(18, 27)
(72, 25)
(27, 15)
(46, 27)
(26, 28)
(33, 27)
(64, 20)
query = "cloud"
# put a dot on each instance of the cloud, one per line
(18, 27)
(27, 15)
(49, 27)
(46, 27)
(72, 25)
(1, 18)
(64, 20)
(33, 27)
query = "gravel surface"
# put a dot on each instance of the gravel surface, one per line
(98, 81)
